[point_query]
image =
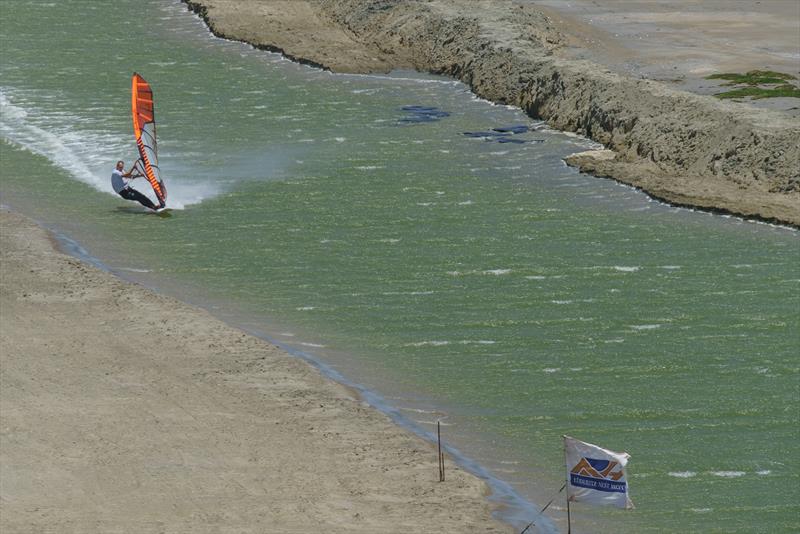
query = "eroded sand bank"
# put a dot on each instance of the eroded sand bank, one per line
(126, 411)
(678, 145)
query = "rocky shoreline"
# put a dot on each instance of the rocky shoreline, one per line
(682, 148)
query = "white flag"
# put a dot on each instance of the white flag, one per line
(596, 475)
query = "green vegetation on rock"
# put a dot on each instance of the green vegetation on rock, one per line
(755, 78)
(760, 92)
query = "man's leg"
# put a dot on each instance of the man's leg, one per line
(133, 194)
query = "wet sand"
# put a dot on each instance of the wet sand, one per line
(126, 411)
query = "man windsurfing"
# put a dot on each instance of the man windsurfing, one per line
(120, 181)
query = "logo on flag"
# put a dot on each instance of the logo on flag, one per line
(596, 475)
(602, 475)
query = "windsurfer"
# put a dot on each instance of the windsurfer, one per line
(120, 182)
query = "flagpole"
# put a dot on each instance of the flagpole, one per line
(569, 520)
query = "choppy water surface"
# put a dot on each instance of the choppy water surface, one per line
(477, 282)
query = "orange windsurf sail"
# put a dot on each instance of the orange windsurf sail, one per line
(144, 127)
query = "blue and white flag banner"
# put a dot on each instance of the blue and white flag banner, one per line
(596, 475)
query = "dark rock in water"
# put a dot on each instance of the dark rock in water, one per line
(437, 113)
(486, 134)
(420, 114)
(516, 129)
(503, 135)
(419, 109)
(418, 118)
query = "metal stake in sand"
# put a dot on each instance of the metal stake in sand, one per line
(441, 455)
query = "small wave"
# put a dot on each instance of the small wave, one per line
(682, 474)
(401, 78)
(497, 272)
(411, 293)
(641, 327)
(435, 343)
(306, 308)
(551, 369)
(425, 422)
(624, 269)
(314, 345)
(728, 474)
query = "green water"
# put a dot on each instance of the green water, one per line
(483, 284)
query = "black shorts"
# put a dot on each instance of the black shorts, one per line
(132, 194)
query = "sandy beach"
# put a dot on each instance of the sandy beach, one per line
(629, 75)
(126, 411)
